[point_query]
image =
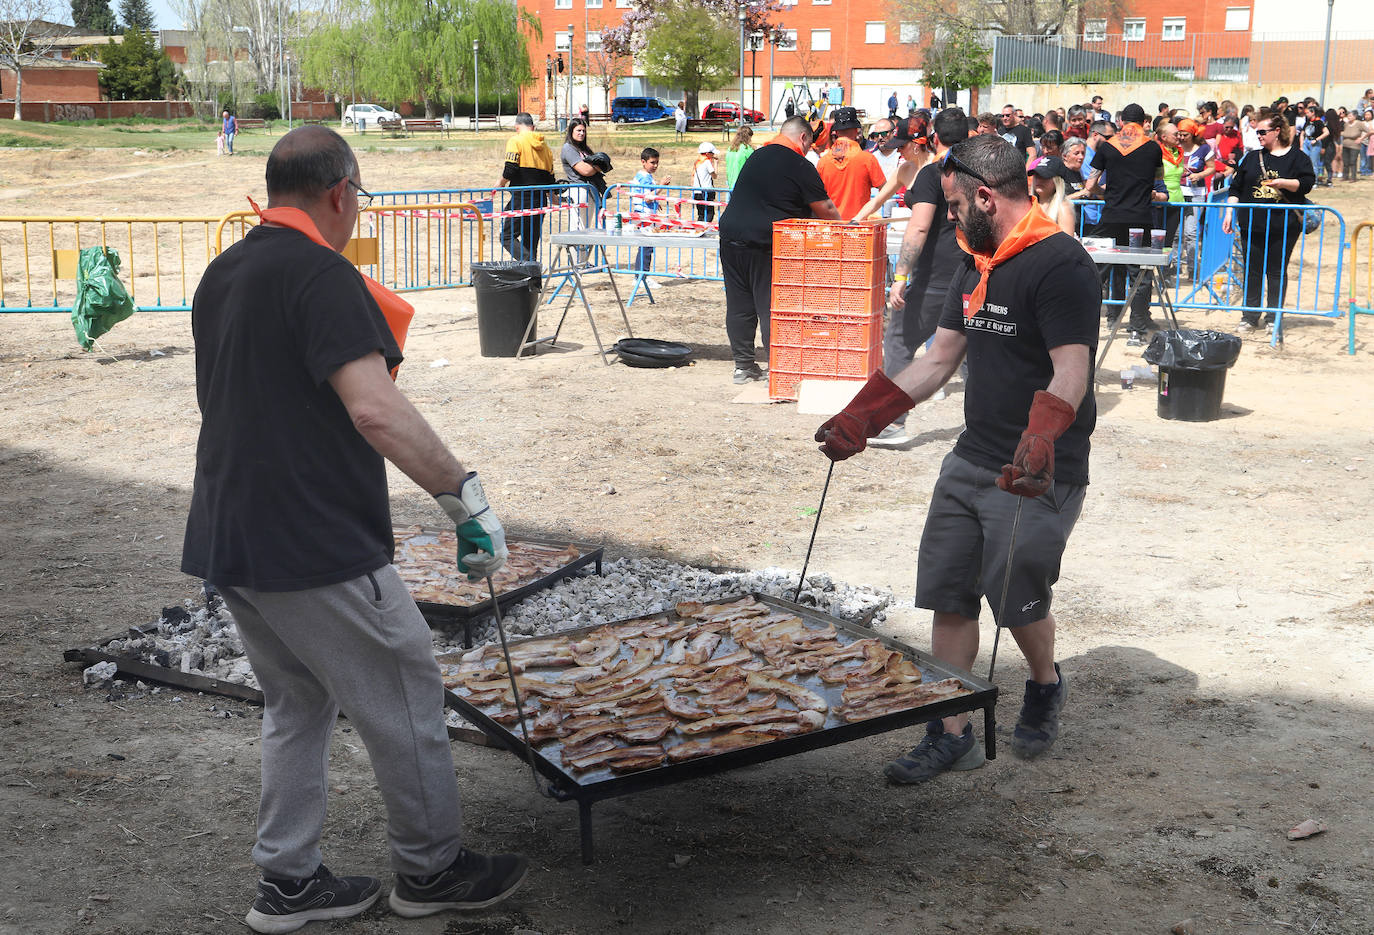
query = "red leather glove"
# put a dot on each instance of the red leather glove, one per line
(1032, 466)
(846, 433)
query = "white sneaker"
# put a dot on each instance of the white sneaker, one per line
(890, 437)
(1245, 326)
(938, 394)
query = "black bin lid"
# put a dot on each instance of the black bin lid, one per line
(651, 352)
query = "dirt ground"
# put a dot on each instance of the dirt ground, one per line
(1214, 610)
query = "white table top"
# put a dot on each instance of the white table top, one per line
(601, 238)
(1131, 256)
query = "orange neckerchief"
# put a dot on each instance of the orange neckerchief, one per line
(1030, 230)
(1131, 138)
(1171, 156)
(781, 140)
(396, 310)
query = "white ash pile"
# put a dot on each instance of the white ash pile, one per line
(629, 587)
(199, 640)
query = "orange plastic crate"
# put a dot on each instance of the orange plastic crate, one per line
(789, 239)
(863, 241)
(789, 298)
(788, 270)
(809, 345)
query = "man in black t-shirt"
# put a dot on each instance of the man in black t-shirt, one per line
(1017, 133)
(926, 260)
(776, 183)
(1023, 308)
(290, 520)
(1133, 161)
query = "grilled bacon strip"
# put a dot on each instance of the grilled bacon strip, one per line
(803, 698)
(721, 743)
(599, 646)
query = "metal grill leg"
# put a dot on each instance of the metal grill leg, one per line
(584, 821)
(989, 733)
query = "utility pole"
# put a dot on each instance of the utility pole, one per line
(772, 46)
(1326, 54)
(741, 65)
(571, 46)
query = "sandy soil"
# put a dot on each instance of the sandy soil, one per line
(1215, 611)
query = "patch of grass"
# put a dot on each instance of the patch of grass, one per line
(27, 142)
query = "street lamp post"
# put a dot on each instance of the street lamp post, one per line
(571, 46)
(772, 46)
(476, 109)
(741, 65)
(755, 40)
(1326, 54)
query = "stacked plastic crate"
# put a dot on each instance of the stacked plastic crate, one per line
(829, 287)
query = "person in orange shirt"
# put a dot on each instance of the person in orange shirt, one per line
(849, 172)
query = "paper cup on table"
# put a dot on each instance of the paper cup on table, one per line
(1157, 238)
(1136, 236)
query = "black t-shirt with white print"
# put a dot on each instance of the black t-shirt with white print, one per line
(1044, 297)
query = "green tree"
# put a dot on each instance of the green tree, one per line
(137, 14)
(136, 69)
(958, 58)
(335, 58)
(689, 48)
(94, 15)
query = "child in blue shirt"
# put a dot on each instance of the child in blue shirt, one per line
(645, 199)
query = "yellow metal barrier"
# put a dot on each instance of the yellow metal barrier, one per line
(161, 258)
(1361, 302)
(404, 247)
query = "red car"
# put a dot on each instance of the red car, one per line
(729, 110)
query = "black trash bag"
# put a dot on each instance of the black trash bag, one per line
(505, 275)
(1191, 349)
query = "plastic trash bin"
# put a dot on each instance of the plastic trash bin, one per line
(1192, 372)
(507, 293)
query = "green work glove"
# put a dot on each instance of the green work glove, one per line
(481, 540)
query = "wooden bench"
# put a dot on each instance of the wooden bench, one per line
(395, 127)
(706, 124)
(475, 123)
(426, 124)
(599, 118)
(252, 123)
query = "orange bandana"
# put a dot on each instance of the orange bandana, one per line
(1030, 230)
(1171, 156)
(1131, 138)
(396, 310)
(781, 140)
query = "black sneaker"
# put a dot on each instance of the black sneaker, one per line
(1038, 725)
(472, 881)
(938, 752)
(748, 374)
(316, 899)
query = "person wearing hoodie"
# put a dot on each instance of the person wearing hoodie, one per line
(529, 167)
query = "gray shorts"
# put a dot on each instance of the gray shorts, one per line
(964, 545)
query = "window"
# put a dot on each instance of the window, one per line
(1237, 18)
(910, 32)
(1133, 30)
(1095, 30)
(875, 33)
(789, 39)
(1228, 69)
(1174, 28)
(593, 39)
(820, 40)
(562, 41)
(787, 2)
(821, 2)
(593, 4)
(562, 4)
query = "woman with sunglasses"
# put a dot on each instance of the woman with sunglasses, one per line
(1276, 174)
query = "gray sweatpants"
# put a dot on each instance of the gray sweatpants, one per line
(361, 647)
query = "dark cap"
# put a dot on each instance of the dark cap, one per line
(1047, 168)
(896, 139)
(1133, 113)
(846, 118)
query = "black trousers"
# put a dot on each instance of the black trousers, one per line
(1269, 243)
(705, 212)
(748, 273)
(1115, 279)
(911, 327)
(520, 235)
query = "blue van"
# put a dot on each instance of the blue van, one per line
(634, 109)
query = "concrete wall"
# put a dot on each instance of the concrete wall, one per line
(1037, 98)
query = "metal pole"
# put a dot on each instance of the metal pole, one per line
(571, 46)
(1326, 53)
(476, 110)
(771, 47)
(741, 65)
(587, 56)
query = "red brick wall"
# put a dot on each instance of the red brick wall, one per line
(53, 84)
(47, 111)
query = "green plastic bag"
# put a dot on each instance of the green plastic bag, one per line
(101, 301)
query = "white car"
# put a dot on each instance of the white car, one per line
(365, 115)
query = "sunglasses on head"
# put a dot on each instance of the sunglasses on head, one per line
(952, 163)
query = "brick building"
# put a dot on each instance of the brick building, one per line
(860, 44)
